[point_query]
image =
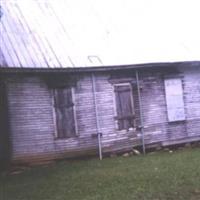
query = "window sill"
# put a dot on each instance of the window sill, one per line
(66, 138)
(124, 131)
(177, 121)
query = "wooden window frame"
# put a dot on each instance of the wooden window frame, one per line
(56, 136)
(115, 104)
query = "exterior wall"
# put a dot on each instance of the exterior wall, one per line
(156, 125)
(4, 136)
(33, 124)
(192, 99)
(112, 140)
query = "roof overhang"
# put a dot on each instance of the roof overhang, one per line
(91, 69)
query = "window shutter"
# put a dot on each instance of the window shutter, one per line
(64, 108)
(174, 99)
(124, 106)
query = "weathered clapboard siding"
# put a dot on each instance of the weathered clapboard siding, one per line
(153, 107)
(112, 139)
(33, 123)
(157, 127)
(192, 99)
(155, 113)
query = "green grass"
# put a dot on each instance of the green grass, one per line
(158, 176)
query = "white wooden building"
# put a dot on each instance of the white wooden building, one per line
(70, 71)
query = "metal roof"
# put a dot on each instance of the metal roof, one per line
(76, 33)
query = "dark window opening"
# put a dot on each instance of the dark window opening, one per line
(124, 106)
(65, 113)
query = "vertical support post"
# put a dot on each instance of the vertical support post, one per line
(100, 148)
(96, 115)
(141, 112)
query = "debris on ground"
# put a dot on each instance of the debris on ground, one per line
(125, 155)
(136, 152)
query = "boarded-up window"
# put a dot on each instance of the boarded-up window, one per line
(124, 106)
(64, 109)
(174, 99)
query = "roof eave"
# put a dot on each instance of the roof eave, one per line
(98, 68)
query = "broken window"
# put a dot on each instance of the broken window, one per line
(65, 113)
(124, 106)
(174, 99)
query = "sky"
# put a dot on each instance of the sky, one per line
(105, 32)
(154, 30)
